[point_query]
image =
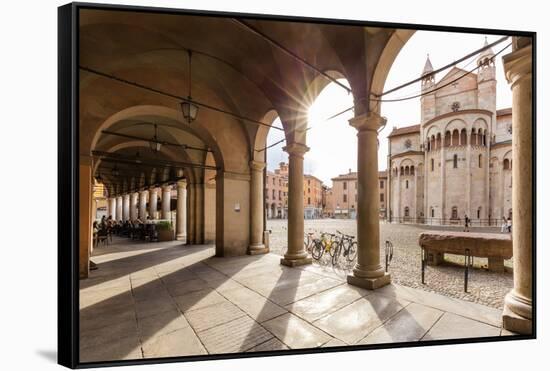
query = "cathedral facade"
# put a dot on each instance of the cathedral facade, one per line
(457, 161)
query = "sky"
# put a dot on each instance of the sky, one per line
(333, 144)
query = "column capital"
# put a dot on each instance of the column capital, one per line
(153, 189)
(518, 65)
(182, 183)
(256, 165)
(167, 188)
(296, 149)
(371, 121)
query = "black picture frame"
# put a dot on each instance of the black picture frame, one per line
(68, 176)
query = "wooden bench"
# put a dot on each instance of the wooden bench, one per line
(494, 246)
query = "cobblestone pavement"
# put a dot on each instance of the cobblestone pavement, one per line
(484, 287)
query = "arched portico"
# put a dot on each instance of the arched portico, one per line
(239, 93)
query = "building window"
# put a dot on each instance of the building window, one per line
(407, 184)
(345, 199)
(454, 213)
(279, 195)
(381, 197)
(406, 211)
(479, 212)
(381, 184)
(506, 164)
(345, 185)
(432, 164)
(455, 161)
(273, 194)
(273, 181)
(412, 170)
(309, 201)
(432, 212)
(479, 161)
(308, 181)
(309, 190)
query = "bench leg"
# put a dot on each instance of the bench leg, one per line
(434, 257)
(496, 264)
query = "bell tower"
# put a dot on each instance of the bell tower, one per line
(427, 101)
(487, 83)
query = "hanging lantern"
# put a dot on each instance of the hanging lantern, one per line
(188, 108)
(155, 144)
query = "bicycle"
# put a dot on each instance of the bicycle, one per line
(322, 245)
(309, 241)
(345, 245)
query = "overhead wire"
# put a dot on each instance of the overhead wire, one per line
(454, 63)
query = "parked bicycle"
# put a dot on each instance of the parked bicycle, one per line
(345, 246)
(323, 245)
(309, 241)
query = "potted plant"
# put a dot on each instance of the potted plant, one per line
(165, 230)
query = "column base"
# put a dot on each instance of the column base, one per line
(516, 323)
(181, 237)
(517, 314)
(257, 250)
(369, 283)
(296, 262)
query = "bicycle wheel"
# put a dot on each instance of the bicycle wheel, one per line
(307, 244)
(352, 251)
(337, 247)
(333, 245)
(317, 250)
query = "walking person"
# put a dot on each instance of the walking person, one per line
(466, 223)
(504, 225)
(509, 225)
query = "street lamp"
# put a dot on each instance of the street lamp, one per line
(188, 108)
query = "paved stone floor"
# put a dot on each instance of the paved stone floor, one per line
(484, 287)
(167, 299)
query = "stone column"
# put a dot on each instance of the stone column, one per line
(501, 191)
(191, 215)
(166, 196)
(126, 207)
(199, 213)
(368, 272)
(181, 212)
(296, 253)
(415, 201)
(398, 194)
(143, 205)
(443, 191)
(85, 221)
(134, 205)
(256, 209)
(113, 208)
(119, 215)
(153, 203)
(468, 174)
(518, 304)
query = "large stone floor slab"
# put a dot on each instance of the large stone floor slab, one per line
(168, 299)
(295, 332)
(355, 321)
(451, 326)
